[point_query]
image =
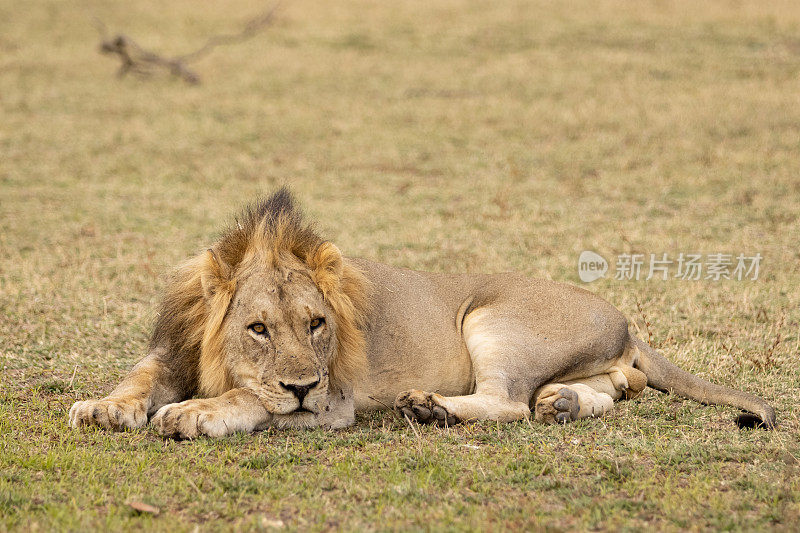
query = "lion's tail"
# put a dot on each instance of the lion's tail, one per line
(666, 377)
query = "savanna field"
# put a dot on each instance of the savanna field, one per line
(445, 136)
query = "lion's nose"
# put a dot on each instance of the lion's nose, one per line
(299, 391)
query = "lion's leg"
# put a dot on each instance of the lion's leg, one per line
(236, 410)
(511, 362)
(145, 389)
(588, 397)
(497, 368)
(428, 407)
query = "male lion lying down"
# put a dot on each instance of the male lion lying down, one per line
(272, 326)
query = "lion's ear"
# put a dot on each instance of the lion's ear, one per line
(327, 265)
(215, 275)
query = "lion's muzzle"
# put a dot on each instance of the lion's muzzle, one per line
(289, 396)
(300, 391)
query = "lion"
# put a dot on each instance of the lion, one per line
(273, 326)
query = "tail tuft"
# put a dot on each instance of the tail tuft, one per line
(751, 421)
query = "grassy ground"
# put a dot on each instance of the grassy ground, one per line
(445, 136)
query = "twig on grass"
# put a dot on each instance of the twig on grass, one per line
(416, 433)
(768, 360)
(251, 28)
(72, 379)
(195, 487)
(646, 322)
(138, 60)
(528, 420)
(380, 402)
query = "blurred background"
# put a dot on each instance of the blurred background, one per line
(446, 136)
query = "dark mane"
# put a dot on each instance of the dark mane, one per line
(275, 218)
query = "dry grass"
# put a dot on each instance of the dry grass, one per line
(436, 135)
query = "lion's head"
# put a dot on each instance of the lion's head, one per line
(271, 307)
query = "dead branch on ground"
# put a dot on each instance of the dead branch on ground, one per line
(138, 60)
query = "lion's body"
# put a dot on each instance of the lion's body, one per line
(416, 339)
(274, 327)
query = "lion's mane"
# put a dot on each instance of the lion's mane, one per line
(189, 323)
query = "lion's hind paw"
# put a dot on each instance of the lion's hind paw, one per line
(558, 408)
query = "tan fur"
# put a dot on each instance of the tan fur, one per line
(218, 289)
(337, 334)
(345, 289)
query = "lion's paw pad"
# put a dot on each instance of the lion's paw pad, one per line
(424, 407)
(561, 407)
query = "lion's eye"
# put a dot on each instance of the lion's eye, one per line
(316, 323)
(258, 328)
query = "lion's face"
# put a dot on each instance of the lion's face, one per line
(279, 337)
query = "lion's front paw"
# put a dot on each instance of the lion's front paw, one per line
(561, 407)
(190, 419)
(424, 407)
(112, 413)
